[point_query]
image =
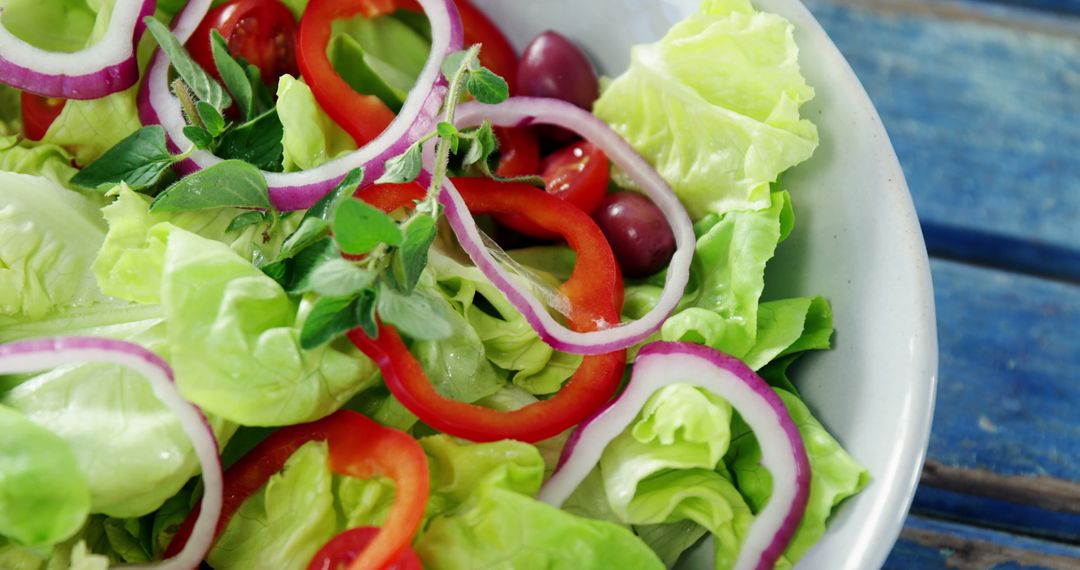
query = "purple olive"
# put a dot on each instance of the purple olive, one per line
(552, 66)
(640, 237)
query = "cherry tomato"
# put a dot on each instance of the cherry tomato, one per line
(263, 32)
(519, 152)
(577, 174)
(38, 113)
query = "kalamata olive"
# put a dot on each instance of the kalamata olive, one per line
(552, 66)
(640, 237)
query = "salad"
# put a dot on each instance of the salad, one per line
(353, 284)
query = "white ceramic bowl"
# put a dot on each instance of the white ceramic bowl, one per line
(857, 241)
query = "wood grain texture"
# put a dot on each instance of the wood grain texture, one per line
(928, 544)
(1009, 381)
(999, 514)
(982, 109)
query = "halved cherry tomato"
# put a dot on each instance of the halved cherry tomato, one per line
(38, 113)
(497, 54)
(519, 152)
(345, 548)
(578, 174)
(263, 32)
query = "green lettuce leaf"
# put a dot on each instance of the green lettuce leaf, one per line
(88, 128)
(714, 105)
(789, 326)
(301, 508)
(49, 236)
(508, 340)
(233, 336)
(393, 51)
(835, 475)
(499, 528)
(45, 497)
(310, 137)
(27, 157)
(131, 261)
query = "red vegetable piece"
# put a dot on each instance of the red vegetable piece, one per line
(262, 32)
(38, 114)
(595, 293)
(358, 447)
(577, 174)
(345, 548)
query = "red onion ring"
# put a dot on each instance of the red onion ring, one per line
(522, 111)
(299, 190)
(33, 355)
(106, 67)
(661, 364)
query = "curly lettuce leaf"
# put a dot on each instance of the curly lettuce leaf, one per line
(27, 157)
(45, 498)
(49, 237)
(303, 506)
(131, 260)
(508, 339)
(310, 137)
(714, 105)
(233, 337)
(835, 475)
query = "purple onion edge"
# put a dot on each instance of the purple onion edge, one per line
(794, 516)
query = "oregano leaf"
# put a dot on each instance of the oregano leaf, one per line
(231, 183)
(201, 83)
(138, 160)
(403, 168)
(359, 227)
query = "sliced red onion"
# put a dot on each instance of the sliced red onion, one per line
(299, 190)
(34, 355)
(521, 111)
(106, 67)
(661, 364)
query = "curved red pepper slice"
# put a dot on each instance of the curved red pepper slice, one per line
(594, 290)
(358, 447)
(345, 548)
(362, 116)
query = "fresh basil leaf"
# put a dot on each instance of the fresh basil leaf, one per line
(246, 219)
(446, 130)
(211, 118)
(304, 264)
(365, 312)
(278, 271)
(487, 87)
(414, 315)
(202, 84)
(358, 227)
(311, 230)
(412, 256)
(232, 74)
(324, 208)
(403, 168)
(139, 161)
(257, 142)
(452, 64)
(231, 183)
(339, 278)
(200, 137)
(330, 318)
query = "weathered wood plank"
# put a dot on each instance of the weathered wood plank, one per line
(1063, 6)
(983, 111)
(928, 544)
(962, 505)
(1009, 382)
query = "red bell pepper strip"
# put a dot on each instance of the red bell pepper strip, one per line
(358, 447)
(346, 547)
(519, 152)
(362, 116)
(594, 291)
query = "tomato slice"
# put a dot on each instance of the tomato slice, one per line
(578, 174)
(263, 32)
(38, 113)
(519, 152)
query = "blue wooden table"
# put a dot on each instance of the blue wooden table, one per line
(982, 101)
